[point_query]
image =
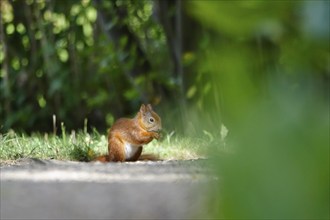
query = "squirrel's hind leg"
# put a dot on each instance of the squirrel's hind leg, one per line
(116, 150)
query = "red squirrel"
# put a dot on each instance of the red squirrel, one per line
(127, 136)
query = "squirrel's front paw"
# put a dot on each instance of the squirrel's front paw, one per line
(156, 135)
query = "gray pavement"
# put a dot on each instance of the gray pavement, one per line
(50, 189)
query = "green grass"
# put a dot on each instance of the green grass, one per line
(75, 146)
(174, 147)
(83, 146)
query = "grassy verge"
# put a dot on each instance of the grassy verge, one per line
(83, 146)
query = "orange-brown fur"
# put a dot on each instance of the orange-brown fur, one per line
(138, 131)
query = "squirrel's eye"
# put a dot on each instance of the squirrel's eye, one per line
(151, 119)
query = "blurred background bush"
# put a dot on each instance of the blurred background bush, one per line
(100, 59)
(89, 59)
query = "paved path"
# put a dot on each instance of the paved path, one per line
(40, 189)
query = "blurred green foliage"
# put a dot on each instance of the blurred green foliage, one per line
(268, 62)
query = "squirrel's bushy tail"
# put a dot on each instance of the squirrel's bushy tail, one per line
(103, 158)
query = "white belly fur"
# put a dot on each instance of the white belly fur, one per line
(130, 150)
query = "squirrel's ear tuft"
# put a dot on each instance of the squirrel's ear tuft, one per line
(149, 107)
(142, 108)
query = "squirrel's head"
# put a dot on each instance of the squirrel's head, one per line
(150, 120)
